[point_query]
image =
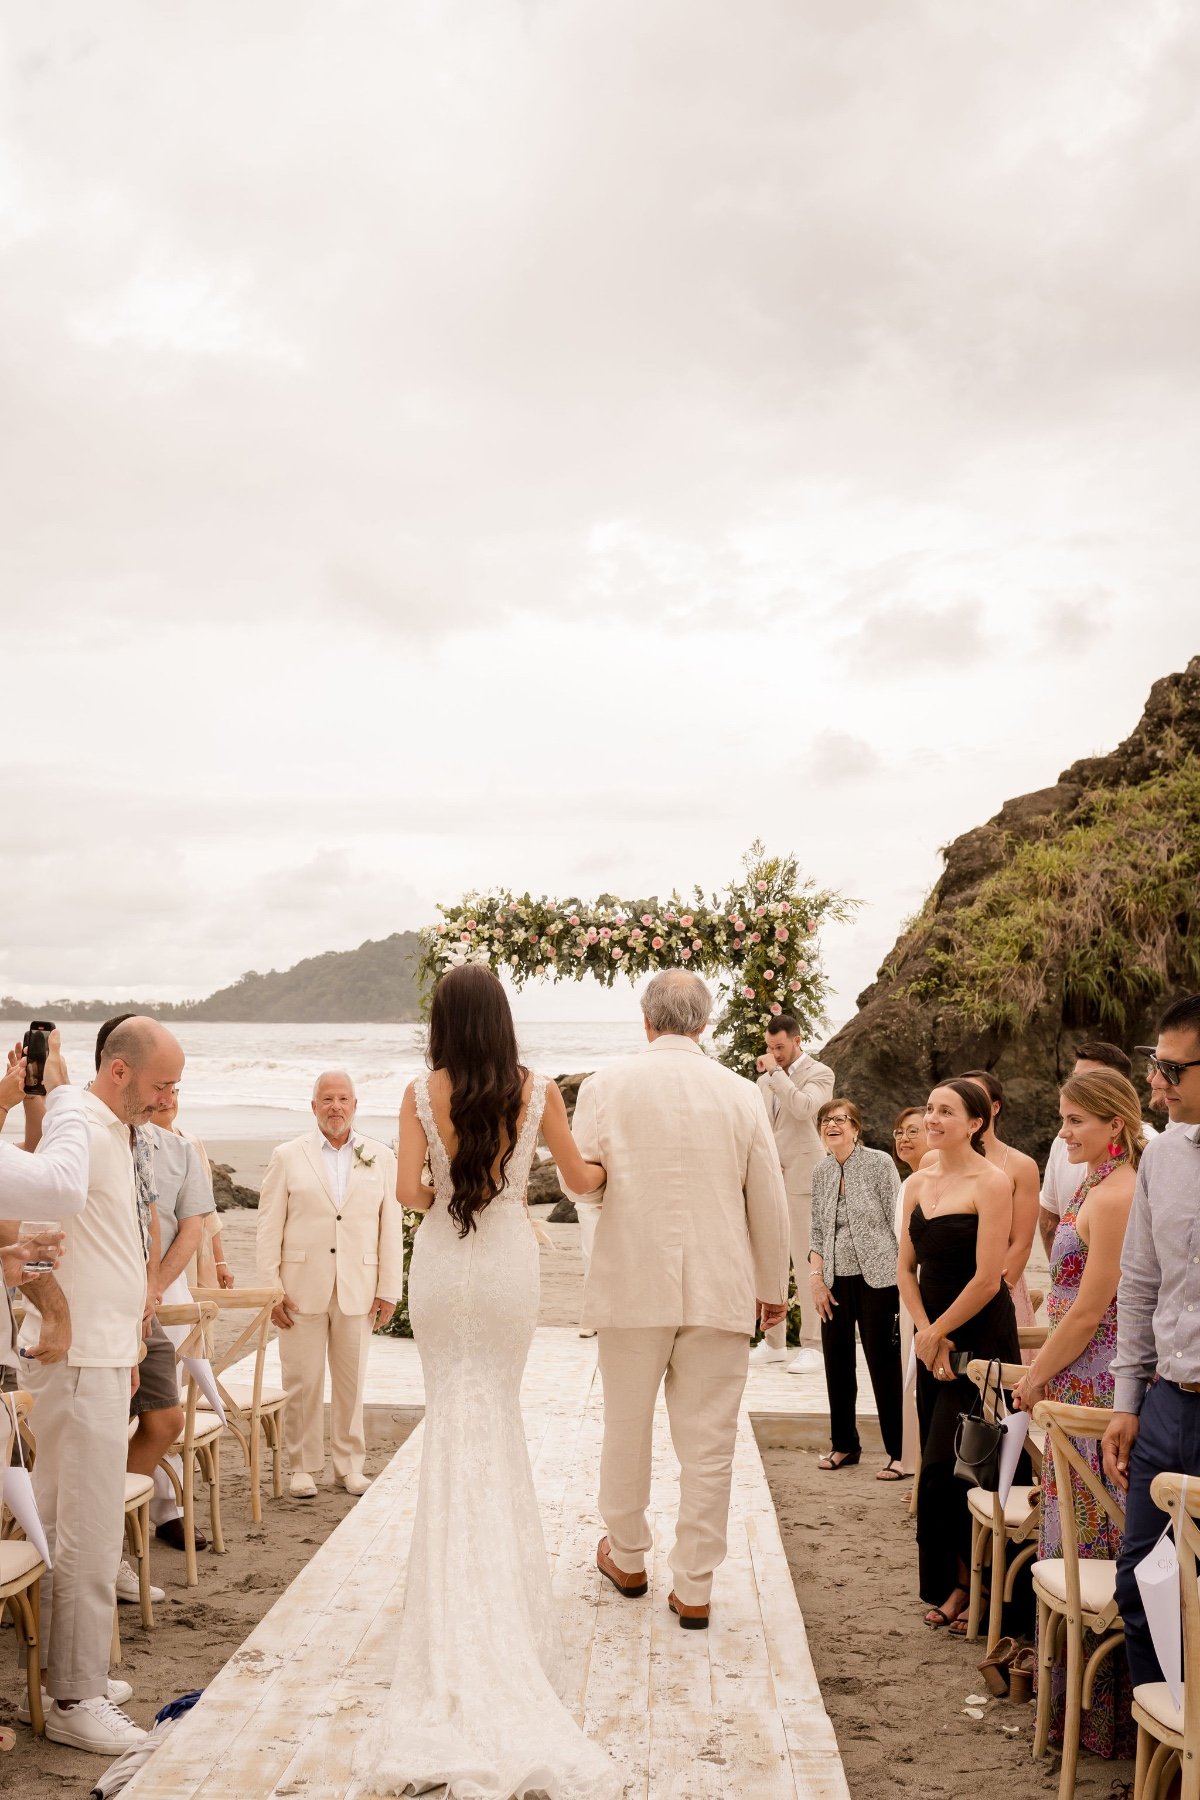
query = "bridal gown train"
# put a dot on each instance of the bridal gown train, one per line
(474, 1711)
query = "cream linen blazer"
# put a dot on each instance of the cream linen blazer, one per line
(801, 1092)
(693, 1218)
(308, 1246)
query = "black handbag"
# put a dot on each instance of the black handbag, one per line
(977, 1439)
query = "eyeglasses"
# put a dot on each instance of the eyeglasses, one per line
(1171, 1072)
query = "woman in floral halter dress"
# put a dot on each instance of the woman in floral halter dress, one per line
(1102, 1129)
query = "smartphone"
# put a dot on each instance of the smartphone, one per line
(36, 1046)
(31, 1228)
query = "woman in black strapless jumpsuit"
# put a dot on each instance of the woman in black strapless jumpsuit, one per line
(945, 1251)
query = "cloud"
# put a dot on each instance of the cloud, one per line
(836, 757)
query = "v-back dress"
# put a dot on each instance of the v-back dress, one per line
(945, 1248)
(474, 1712)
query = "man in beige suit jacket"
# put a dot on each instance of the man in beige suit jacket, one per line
(691, 1248)
(795, 1086)
(330, 1232)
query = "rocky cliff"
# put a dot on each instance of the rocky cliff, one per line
(1074, 913)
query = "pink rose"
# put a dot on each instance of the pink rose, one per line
(697, 943)
(761, 886)
(803, 967)
(737, 943)
(775, 1007)
(756, 937)
(647, 919)
(686, 954)
(464, 937)
(656, 943)
(441, 929)
(747, 993)
(574, 919)
(784, 906)
(686, 919)
(781, 934)
(739, 924)
(617, 953)
(635, 936)
(759, 911)
(670, 917)
(533, 937)
(550, 952)
(593, 934)
(605, 933)
(796, 986)
(812, 925)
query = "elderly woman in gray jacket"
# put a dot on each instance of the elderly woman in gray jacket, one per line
(852, 1269)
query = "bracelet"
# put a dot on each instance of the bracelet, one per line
(219, 1265)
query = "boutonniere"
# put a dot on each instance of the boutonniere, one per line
(360, 1156)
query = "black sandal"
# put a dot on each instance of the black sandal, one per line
(847, 1459)
(891, 1471)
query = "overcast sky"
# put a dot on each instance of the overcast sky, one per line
(446, 445)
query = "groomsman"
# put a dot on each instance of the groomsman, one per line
(795, 1086)
(330, 1233)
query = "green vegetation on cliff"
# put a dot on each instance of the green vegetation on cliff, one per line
(1110, 908)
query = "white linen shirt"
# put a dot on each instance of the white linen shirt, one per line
(339, 1159)
(49, 1185)
(103, 1271)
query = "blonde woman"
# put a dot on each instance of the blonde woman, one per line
(1102, 1130)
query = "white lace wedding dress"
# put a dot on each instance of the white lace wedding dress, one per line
(474, 1712)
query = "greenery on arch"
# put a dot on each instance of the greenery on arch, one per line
(759, 941)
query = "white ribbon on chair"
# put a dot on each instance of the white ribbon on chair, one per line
(198, 1367)
(18, 1495)
(1016, 1430)
(1158, 1583)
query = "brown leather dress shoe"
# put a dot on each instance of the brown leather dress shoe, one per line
(632, 1586)
(172, 1533)
(692, 1618)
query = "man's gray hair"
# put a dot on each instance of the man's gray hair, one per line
(677, 1001)
(334, 1075)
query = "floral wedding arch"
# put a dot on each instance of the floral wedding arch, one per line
(759, 941)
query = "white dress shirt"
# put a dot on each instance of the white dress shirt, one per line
(49, 1185)
(339, 1160)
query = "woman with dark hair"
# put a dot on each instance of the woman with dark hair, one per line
(852, 1270)
(957, 1219)
(476, 1706)
(1026, 1183)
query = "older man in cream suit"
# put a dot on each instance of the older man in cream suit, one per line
(691, 1248)
(330, 1232)
(795, 1087)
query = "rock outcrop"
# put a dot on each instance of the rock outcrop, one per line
(1074, 913)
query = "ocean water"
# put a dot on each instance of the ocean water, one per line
(255, 1081)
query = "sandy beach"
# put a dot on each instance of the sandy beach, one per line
(897, 1693)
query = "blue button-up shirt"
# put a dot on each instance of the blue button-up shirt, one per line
(1158, 1300)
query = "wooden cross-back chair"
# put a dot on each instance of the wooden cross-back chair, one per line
(200, 1445)
(21, 1571)
(1004, 1536)
(253, 1411)
(1074, 1594)
(1168, 1733)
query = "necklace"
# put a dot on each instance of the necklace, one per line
(937, 1192)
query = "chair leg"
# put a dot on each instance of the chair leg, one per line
(143, 1531)
(1189, 1765)
(191, 1572)
(1160, 1762)
(1074, 1714)
(1141, 1762)
(27, 1619)
(214, 1497)
(255, 1453)
(980, 1535)
(277, 1459)
(1045, 1641)
(996, 1608)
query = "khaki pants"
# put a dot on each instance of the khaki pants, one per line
(344, 1337)
(800, 1217)
(80, 1419)
(705, 1374)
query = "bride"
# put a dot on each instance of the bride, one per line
(474, 1712)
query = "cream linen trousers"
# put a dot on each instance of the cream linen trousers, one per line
(344, 1337)
(705, 1374)
(80, 1419)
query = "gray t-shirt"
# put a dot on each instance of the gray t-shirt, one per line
(182, 1187)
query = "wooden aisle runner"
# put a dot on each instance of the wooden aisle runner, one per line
(734, 1711)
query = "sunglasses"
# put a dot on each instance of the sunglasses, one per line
(1171, 1072)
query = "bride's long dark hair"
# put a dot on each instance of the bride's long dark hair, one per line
(471, 1037)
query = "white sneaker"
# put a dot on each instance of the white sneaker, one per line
(587, 1334)
(129, 1591)
(118, 1692)
(808, 1362)
(767, 1353)
(302, 1485)
(95, 1725)
(356, 1484)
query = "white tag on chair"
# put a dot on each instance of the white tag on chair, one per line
(1158, 1584)
(1016, 1430)
(910, 1373)
(200, 1370)
(17, 1490)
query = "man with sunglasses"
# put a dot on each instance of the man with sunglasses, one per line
(1156, 1368)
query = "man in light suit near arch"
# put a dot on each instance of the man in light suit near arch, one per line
(795, 1087)
(330, 1233)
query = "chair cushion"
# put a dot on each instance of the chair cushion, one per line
(243, 1396)
(1097, 1582)
(137, 1489)
(1154, 1698)
(17, 1558)
(207, 1427)
(1016, 1508)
